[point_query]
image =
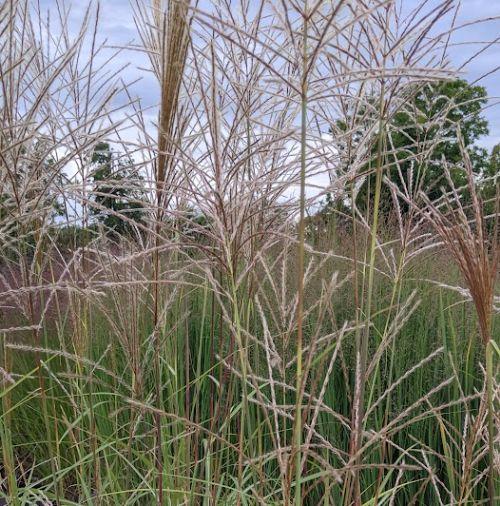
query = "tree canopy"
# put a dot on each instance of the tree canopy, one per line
(118, 191)
(423, 133)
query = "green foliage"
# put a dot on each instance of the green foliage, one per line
(490, 185)
(100, 407)
(423, 133)
(118, 191)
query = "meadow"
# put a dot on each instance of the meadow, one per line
(274, 286)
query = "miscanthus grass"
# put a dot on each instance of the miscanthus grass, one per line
(188, 329)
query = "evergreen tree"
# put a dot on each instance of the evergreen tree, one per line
(118, 191)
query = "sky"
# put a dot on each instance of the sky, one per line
(117, 26)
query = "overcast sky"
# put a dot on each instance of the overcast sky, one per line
(117, 25)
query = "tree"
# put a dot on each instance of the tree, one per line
(490, 185)
(493, 168)
(118, 191)
(423, 133)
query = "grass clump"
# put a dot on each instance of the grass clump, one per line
(242, 343)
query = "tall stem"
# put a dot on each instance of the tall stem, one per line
(297, 433)
(491, 427)
(363, 351)
(7, 452)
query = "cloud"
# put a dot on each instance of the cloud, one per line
(117, 26)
